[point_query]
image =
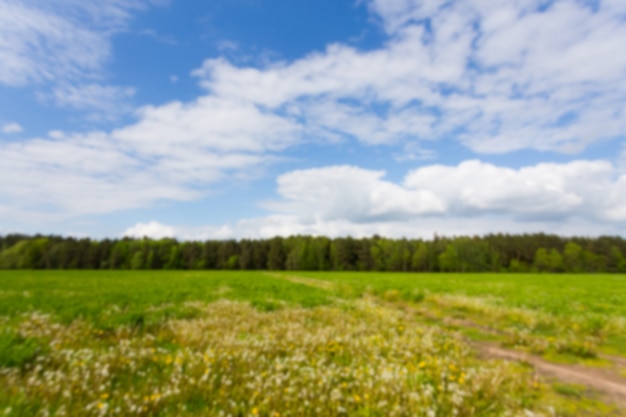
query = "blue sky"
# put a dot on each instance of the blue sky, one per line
(249, 118)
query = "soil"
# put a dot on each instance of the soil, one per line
(605, 381)
(311, 282)
(610, 386)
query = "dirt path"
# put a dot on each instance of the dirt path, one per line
(612, 387)
(606, 382)
(311, 282)
(467, 323)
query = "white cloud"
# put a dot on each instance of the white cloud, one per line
(543, 191)
(63, 45)
(76, 175)
(175, 152)
(350, 193)
(498, 77)
(226, 45)
(104, 99)
(168, 40)
(158, 230)
(208, 123)
(591, 190)
(13, 127)
(397, 13)
(153, 230)
(419, 227)
(577, 198)
(39, 44)
(289, 225)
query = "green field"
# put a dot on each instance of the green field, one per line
(580, 307)
(178, 343)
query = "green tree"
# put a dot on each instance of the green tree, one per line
(593, 262)
(174, 259)
(119, 254)
(319, 254)
(378, 257)
(260, 254)
(232, 262)
(276, 256)
(419, 260)
(449, 259)
(615, 260)
(137, 261)
(343, 254)
(397, 254)
(572, 257)
(517, 266)
(555, 261)
(542, 260)
(11, 258)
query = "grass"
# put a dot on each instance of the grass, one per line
(557, 294)
(581, 314)
(112, 298)
(17, 351)
(238, 343)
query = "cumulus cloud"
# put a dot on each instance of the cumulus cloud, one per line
(153, 230)
(12, 127)
(585, 189)
(577, 198)
(544, 191)
(351, 193)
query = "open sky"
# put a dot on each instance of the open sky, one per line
(255, 118)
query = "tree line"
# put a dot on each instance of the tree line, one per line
(491, 253)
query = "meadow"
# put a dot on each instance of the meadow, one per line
(253, 343)
(579, 309)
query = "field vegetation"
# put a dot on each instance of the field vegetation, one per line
(580, 315)
(252, 343)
